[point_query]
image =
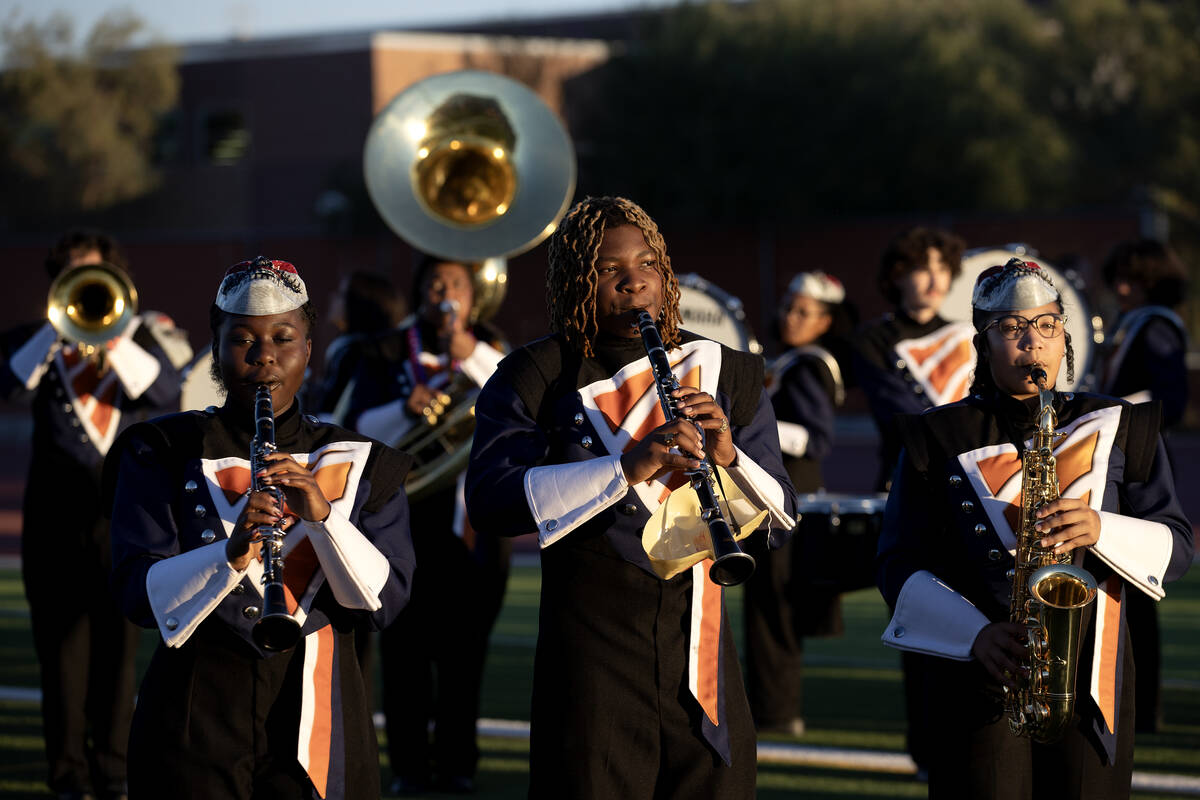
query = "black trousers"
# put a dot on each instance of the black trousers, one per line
(774, 650)
(612, 713)
(976, 756)
(214, 720)
(85, 649)
(433, 654)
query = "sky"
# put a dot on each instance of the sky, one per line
(185, 21)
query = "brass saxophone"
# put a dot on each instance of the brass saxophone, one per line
(1049, 596)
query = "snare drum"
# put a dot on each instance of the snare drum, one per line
(836, 540)
(714, 314)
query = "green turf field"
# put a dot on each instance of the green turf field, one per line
(852, 691)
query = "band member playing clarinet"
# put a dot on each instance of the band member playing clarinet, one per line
(637, 691)
(964, 496)
(218, 715)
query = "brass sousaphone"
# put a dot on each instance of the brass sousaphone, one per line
(472, 167)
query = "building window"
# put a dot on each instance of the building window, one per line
(226, 137)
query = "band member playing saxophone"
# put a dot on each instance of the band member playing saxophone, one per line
(218, 715)
(83, 393)
(952, 524)
(637, 691)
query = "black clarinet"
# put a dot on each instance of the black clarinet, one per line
(730, 565)
(276, 629)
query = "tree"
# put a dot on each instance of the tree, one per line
(77, 123)
(771, 109)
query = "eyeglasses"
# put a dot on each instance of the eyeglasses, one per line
(1013, 326)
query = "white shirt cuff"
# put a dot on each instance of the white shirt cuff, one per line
(31, 360)
(1138, 549)
(135, 368)
(387, 423)
(762, 489)
(354, 568)
(482, 362)
(185, 588)
(934, 619)
(564, 496)
(793, 438)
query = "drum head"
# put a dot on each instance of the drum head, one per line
(199, 390)
(714, 314)
(1079, 316)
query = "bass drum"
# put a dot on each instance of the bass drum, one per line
(199, 390)
(714, 314)
(1086, 330)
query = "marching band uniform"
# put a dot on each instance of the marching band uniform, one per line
(805, 386)
(461, 577)
(944, 557)
(905, 367)
(216, 715)
(636, 683)
(1148, 361)
(85, 646)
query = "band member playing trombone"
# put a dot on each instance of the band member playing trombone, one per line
(224, 710)
(637, 691)
(969, 501)
(433, 654)
(84, 392)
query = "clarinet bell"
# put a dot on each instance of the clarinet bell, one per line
(276, 630)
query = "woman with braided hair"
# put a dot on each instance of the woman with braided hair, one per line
(637, 691)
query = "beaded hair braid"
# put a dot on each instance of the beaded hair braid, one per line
(571, 274)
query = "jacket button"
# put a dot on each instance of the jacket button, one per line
(250, 612)
(200, 511)
(190, 486)
(967, 507)
(208, 536)
(1153, 581)
(1010, 574)
(956, 481)
(980, 529)
(75, 422)
(900, 363)
(578, 419)
(586, 441)
(68, 408)
(898, 632)
(629, 509)
(993, 555)
(171, 623)
(83, 438)
(918, 389)
(551, 524)
(237, 589)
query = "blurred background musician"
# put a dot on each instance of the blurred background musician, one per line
(83, 395)
(219, 714)
(365, 304)
(1146, 361)
(909, 360)
(805, 385)
(433, 653)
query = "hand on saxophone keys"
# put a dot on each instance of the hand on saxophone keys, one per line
(1000, 649)
(1068, 523)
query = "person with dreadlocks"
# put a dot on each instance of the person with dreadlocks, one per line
(948, 541)
(637, 691)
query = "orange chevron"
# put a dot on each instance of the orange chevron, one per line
(234, 481)
(320, 742)
(954, 360)
(1110, 633)
(616, 404)
(1073, 463)
(331, 478)
(997, 470)
(1077, 460)
(298, 568)
(102, 413)
(922, 354)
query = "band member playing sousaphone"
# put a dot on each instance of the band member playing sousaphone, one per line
(92, 366)
(962, 504)
(224, 711)
(637, 691)
(433, 653)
